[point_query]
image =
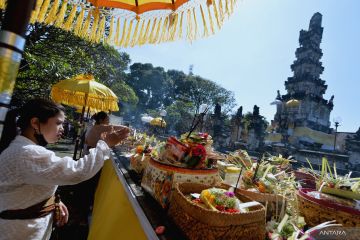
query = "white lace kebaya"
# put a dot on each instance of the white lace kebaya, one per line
(30, 173)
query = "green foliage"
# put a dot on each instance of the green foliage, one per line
(151, 85)
(179, 93)
(52, 54)
(179, 116)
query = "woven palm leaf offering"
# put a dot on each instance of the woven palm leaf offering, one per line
(142, 152)
(204, 212)
(135, 138)
(336, 198)
(290, 228)
(185, 160)
(268, 182)
(306, 177)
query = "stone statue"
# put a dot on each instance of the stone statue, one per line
(278, 97)
(357, 135)
(217, 110)
(256, 110)
(239, 112)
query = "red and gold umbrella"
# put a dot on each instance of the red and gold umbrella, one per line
(127, 23)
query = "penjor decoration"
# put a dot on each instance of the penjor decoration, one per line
(128, 23)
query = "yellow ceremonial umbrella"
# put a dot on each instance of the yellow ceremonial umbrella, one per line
(127, 23)
(82, 90)
(160, 122)
(88, 110)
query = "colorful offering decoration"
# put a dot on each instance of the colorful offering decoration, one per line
(142, 152)
(159, 179)
(194, 151)
(218, 199)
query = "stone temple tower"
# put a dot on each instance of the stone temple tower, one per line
(303, 106)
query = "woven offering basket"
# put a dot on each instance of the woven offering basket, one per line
(272, 202)
(159, 179)
(199, 223)
(317, 211)
(306, 180)
(138, 162)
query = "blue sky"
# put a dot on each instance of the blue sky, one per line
(251, 55)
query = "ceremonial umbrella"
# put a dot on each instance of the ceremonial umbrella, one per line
(89, 110)
(126, 23)
(158, 122)
(83, 90)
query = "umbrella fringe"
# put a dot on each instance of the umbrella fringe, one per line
(69, 98)
(90, 25)
(35, 13)
(69, 21)
(221, 12)
(156, 37)
(117, 33)
(128, 35)
(206, 32)
(189, 29)
(138, 39)
(163, 32)
(152, 32)
(111, 31)
(181, 26)
(175, 28)
(133, 40)
(84, 31)
(144, 37)
(101, 30)
(216, 13)
(43, 11)
(79, 21)
(211, 20)
(195, 35)
(51, 17)
(95, 25)
(123, 32)
(61, 15)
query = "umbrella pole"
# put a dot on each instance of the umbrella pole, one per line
(79, 133)
(88, 113)
(12, 42)
(82, 140)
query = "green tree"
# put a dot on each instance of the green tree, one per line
(52, 54)
(199, 91)
(151, 85)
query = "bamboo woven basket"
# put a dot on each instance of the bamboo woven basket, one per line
(199, 223)
(159, 179)
(317, 211)
(273, 203)
(306, 180)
